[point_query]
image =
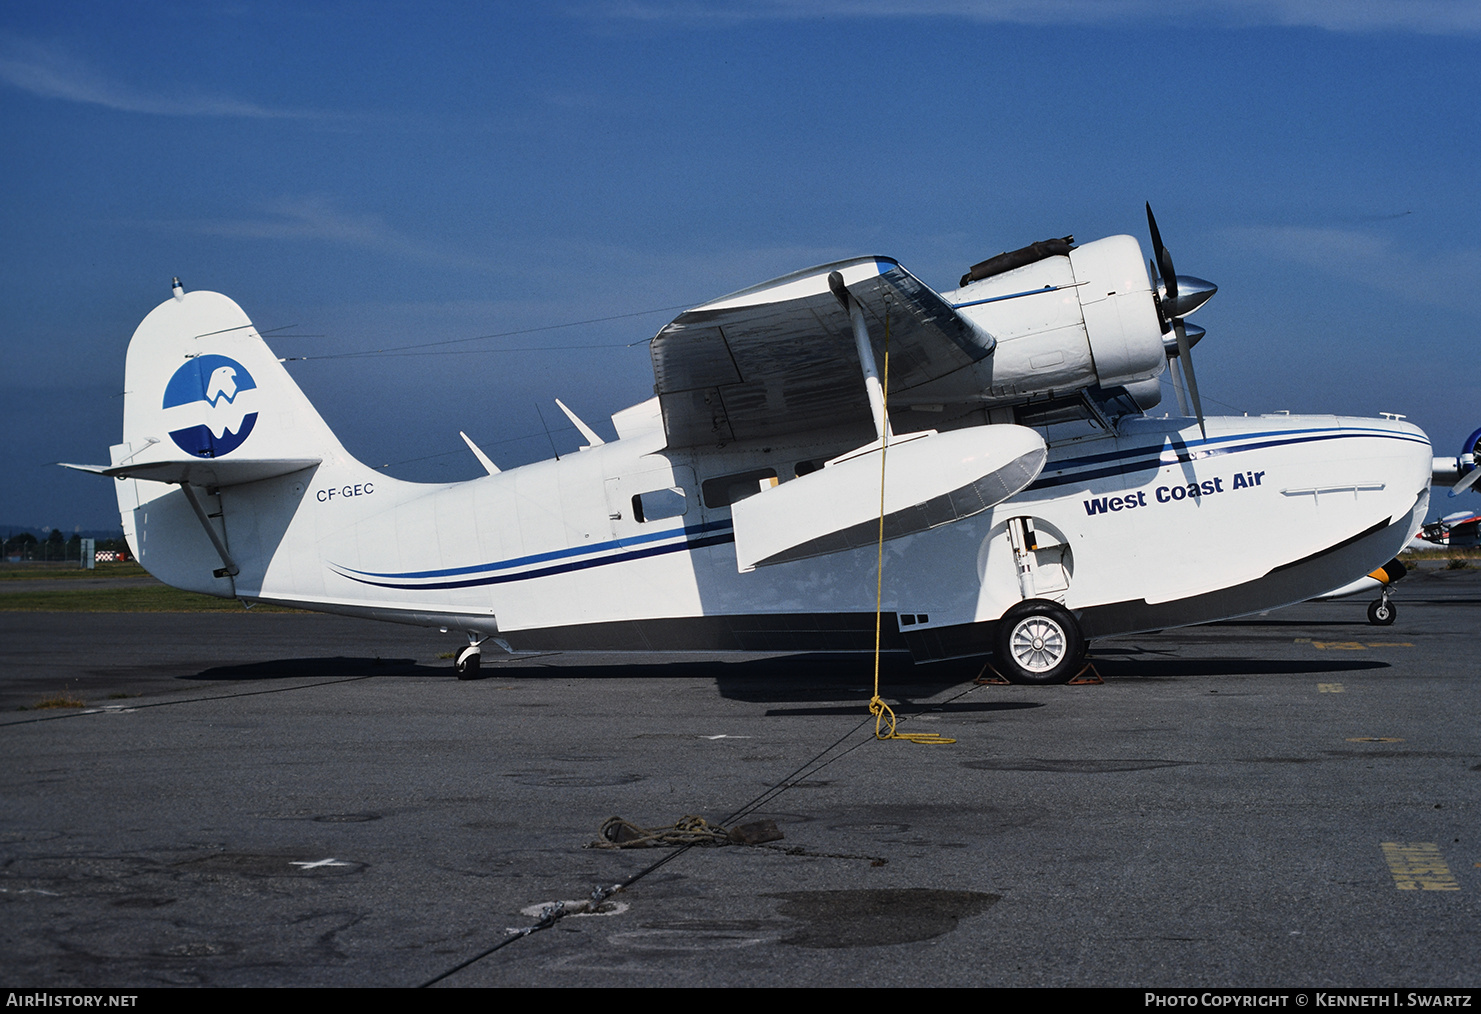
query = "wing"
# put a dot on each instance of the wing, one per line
(779, 357)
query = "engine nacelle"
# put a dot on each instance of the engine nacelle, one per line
(1064, 323)
(1448, 469)
(1146, 393)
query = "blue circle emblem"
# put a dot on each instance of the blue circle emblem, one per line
(210, 406)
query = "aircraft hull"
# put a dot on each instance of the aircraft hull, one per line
(1153, 526)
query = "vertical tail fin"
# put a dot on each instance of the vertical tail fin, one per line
(208, 407)
(206, 400)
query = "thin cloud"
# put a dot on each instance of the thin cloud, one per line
(1368, 259)
(54, 74)
(316, 219)
(1424, 17)
(1429, 17)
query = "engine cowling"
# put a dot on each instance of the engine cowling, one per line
(1067, 322)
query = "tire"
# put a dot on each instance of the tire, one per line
(1038, 642)
(1382, 613)
(466, 662)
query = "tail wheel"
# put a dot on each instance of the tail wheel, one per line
(1037, 641)
(1381, 613)
(466, 662)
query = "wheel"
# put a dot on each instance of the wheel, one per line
(1037, 641)
(466, 662)
(1382, 613)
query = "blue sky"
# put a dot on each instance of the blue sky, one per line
(372, 176)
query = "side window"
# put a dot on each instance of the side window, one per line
(660, 504)
(724, 490)
(1060, 419)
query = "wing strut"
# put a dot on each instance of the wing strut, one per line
(866, 354)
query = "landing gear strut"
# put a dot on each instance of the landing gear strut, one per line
(1038, 641)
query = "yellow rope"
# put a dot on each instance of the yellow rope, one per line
(881, 711)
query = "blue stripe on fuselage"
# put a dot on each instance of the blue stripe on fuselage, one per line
(1101, 465)
(687, 532)
(1151, 457)
(565, 568)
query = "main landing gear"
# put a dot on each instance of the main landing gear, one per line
(1038, 641)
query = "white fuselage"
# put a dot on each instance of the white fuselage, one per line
(1147, 526)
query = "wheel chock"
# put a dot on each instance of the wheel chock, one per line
(1087, 676)
(990, 677)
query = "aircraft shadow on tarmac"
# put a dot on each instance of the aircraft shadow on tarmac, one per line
(1357, 622)
(1440, 602)
(786, 679)
(1174, 667)
(816, 679)
(903, 709)
(337, 667)
(809, 678)
(794, 679)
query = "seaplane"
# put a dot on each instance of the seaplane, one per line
(978, 468)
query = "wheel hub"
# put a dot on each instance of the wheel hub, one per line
(1038, 644)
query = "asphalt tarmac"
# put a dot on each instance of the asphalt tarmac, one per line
(249, 799)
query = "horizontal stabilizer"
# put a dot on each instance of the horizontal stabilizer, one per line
(202, 471)
(931, 479)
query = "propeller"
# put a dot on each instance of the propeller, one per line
(1179, 296)
(1469, 476)
(1170, 345)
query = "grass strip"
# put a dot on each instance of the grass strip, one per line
(154, 599)
(62, 572)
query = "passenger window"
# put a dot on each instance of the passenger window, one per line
(660, 504)
(1052, 412)
(724, 490)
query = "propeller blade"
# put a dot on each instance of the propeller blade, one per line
(1466, 481)
(1156, 236)
(1164, 263)
(1162, 317)
(1185, 356)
